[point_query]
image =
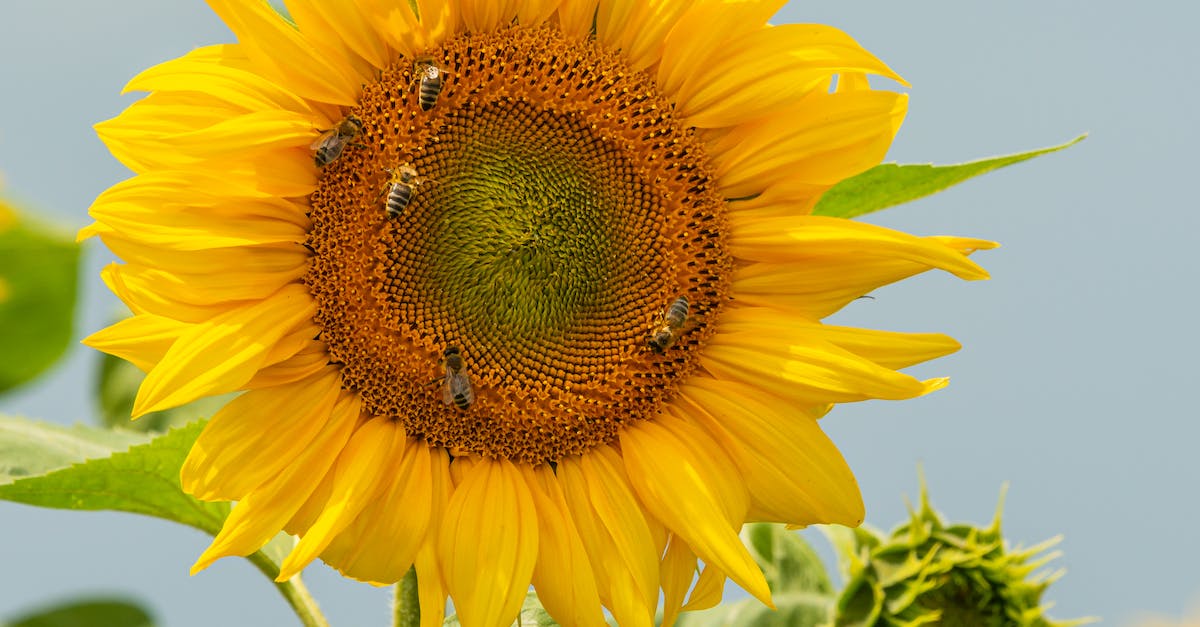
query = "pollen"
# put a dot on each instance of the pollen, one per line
(557, 211)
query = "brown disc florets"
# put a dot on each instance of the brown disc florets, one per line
(556, 213)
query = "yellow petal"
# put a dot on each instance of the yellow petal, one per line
(382, 543)
(563, 575)
(345, 31)
(490, 527)
(707, 591)
(191, 141)
(141, 339)
(223, 74)
(304, 363)
(818, 285)
(886, 348)
(283, 54)
(799, 238)
(768, 68)
(273, 258)
(222, 354)
(575, 18)
(431, 585)
(807, 371)
(614, 17)
(171, 225)
(356, 481)
(135, 137)
(148, 302)
(208, 191)
(685, 480)
(311, 509)
(678, 571)
(266, 259)
(640, 37)
(441, 19)
(614, 531)
(260, 514)
(438, 21)
(532, 13)
(694, 40)
(431, 590)
(853, 81)
(821, 140)
(285, 172)
(301, 338)
(232, 457)
(482, 16)
(204, 288)
(792, 471)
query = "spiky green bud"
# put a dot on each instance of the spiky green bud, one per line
(929, 573)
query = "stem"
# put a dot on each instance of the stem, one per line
(293, 590)
(406, 609)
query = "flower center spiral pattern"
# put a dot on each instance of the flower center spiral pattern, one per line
(558, 211)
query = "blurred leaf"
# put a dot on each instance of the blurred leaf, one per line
(38, 273)
(117, 386)
(787, 560)
(892, 184)
(142, 480)
(793, 609)
(29, 448)
(89, 613)
(800, 586)
(532, 615)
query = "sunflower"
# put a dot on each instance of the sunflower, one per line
(514, 292)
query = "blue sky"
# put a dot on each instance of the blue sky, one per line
(1075, 377)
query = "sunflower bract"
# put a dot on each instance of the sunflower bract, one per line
(926, 572)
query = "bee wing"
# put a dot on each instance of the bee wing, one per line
(323, 139)
(447, 388)
(689, 323)
(460, 385)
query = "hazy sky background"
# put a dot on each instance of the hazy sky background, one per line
(1079, 355)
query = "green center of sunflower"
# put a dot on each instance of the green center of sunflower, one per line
(540, 215)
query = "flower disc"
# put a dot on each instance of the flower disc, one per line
(560, 210)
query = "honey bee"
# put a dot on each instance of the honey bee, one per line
(400, 189)
(667, 331)
(331, 143)
(456, 385)
(431, 81)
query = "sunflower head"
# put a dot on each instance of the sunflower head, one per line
(512, 291)
(926, 572)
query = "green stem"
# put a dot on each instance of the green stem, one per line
(293, 590)
(406, 609)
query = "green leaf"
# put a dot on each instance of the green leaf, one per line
(532, 615)
(787, 560)
(141, 480)
(800, 587)
(38, 273)
(114, 470)
(892, 184)
(29, 448)
(117, 387)
(793, 609)
(87, 613)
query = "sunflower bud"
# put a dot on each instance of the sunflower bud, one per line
(929, 573)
